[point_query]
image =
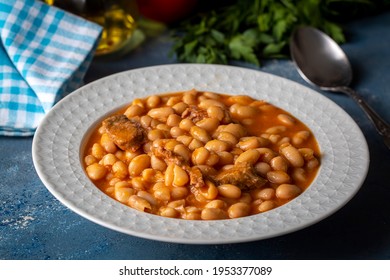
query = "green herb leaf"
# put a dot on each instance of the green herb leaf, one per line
(273, 49)
(241, 49)
(334, 31)
(249, 30)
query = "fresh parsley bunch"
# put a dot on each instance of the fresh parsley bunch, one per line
(249, 30)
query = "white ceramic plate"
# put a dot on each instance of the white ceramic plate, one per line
(59, 140)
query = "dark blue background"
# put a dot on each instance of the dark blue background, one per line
(34, 225)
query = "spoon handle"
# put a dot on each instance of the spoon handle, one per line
(381, 126)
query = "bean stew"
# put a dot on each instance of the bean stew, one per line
(202, 156)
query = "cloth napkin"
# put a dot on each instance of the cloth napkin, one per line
(44, 54)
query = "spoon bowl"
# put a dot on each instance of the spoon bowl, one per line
(321, 62)
(320, 59)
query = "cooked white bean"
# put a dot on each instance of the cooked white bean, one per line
(279, 163)
(210, 191)
(168, 212)
(204, 104)
(108, 144)
(266, 154)
(211, 95)
(239, 209)
(228, 138)
(266, 206)
(241, 99)
(195, 143)
(90, 159)
(184, 139)
(245, 197)
(213, 214)
(96, 171)
(208, 124)
(161, 113)
(176, 132)
(192, 213)
(274, 138)
(133, 111)
(200, 134)
(179, 193)
(173, 120)
(169, 175)
(312, 163)
(157, 163)
(177, 204)
(180, 177)
(179, 108)
(216, 112)
(225, 158)
(138, 164)
(153, 101)
(293, 155)
(236, 129)
(243, 111)
(278, 177)
(263, 168)
(286, 119)
(229, 191)
(200, 156)
(123, 194)
(189, 97)
(266, 194)
(300, 137)
(182, 151)
(148, 197)
(249, 143)
(287, 191)
(148, 175)
(173, 100)
(213, 159)
(216, 203)
(216, 145)
(109, 159)
(284, 140)
(307, 153)
(98, 151)
(138, 183)
(276, 129)
(250, 156)
(161, 192)
(139, 203)
(120, 169)
(186, 124)
(299, 174)
(155, 134)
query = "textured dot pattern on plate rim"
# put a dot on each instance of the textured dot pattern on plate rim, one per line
(58, 140)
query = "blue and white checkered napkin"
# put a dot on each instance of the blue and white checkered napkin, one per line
(44, 54)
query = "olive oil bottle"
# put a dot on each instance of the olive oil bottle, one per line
(117, 17)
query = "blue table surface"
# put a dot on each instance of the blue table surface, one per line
(35, 225)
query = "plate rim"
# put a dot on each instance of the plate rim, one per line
(237, 239)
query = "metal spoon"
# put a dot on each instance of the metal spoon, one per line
(321, 62)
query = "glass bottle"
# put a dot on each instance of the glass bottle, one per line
(117, 17)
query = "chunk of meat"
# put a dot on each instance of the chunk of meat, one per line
(168, 156)
(127, 134)
(196, 177)
(242, 175)
(194, 113)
